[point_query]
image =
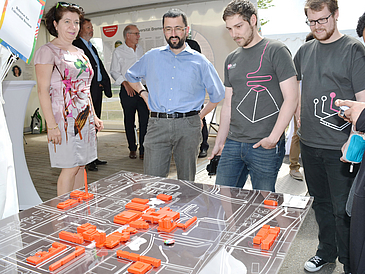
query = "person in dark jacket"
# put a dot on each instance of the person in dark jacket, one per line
(100, 81)
(356, 115)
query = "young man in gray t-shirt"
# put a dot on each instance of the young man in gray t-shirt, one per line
(332, 66)
(260, 99)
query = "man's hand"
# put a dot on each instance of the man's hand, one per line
(217, 150)
(266, 143)
(130, 91)
(354, 111)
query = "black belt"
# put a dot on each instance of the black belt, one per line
(174, 115)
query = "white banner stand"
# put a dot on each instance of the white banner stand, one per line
(16, 95)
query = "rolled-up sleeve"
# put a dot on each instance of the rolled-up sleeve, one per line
(137, 72)
(213, 84)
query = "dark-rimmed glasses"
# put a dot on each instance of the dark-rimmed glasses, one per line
(320, 21)
(178, 30)
(135, 33)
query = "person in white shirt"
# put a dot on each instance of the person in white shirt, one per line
(123, 58)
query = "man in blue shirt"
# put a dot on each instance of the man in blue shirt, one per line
(177, 78)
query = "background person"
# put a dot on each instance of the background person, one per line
(177, 78)
(322, 132)
(261, 97)
(205, 134)
(123, 58)
(64, 75)
(17, 71)
(101, 81)
(295, 145)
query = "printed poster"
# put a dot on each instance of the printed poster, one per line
(19, 25)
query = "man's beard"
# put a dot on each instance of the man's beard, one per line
(177, 45)
(326, 37)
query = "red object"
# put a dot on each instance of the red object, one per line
(266, 236)
(150, 260)
(268, 242)
(135, 257)
(110, 31)
(67, 204)
(76, 194)
(140, 201)
(115, 238)
(164, 197)
(78, 251)
(154, 217)
(139, 224)
(136, 206)
(71, 237)
(126, 217)
(166, 224)
(187, 223)
(271, 202)
(139, 268)
(131, 230)
(41, 256)
(85, 227)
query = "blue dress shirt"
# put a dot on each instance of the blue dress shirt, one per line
(177, 83)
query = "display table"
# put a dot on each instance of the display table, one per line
(16, 95)
(219, 241)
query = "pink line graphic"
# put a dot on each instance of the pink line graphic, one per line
(258, 79)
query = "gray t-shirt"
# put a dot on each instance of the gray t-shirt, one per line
(254, 75)
(328, 72)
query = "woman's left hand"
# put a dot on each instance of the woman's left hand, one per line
(99, 124)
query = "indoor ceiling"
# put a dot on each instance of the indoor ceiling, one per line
(99, 7)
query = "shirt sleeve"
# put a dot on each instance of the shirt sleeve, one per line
(137, 72)
(283, 64)
(213, 83)
(297, 65)
(116, 69)
(358, 68)
(44, 56)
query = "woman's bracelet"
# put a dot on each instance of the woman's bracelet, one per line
(52, 127)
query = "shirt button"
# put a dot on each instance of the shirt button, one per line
(171, 88)
(172, 77)
(174, 67)
(168, 110)
(169, 99)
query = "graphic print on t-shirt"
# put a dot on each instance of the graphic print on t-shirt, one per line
(330, 120)
(258, 104)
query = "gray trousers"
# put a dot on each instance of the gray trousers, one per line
(180, 137)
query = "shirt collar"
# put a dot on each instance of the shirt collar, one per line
(188, 49)
(85, 42)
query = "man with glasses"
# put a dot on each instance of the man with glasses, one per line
(123, 58)
(332, 66)
(177, 78)
(100, 81)
(261, 97)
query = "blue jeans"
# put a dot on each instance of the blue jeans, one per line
(240, 159)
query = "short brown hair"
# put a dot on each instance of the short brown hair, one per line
(242, 7)
(318, 5)
(56, 13)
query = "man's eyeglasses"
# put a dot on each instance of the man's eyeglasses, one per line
(135, 33)
(178, 30)
(320, 21)
(66, 5)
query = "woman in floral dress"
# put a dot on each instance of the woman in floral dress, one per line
(64, 76)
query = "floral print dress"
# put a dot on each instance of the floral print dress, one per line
(71, 105)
